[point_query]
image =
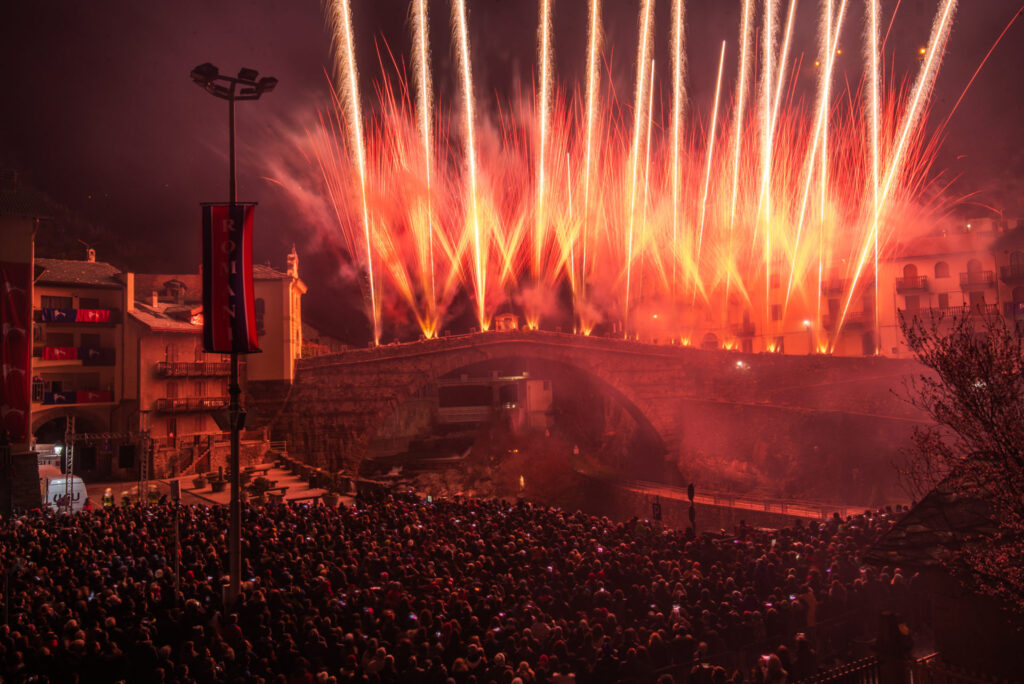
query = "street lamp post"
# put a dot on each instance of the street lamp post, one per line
(245, 86)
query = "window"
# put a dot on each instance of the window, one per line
(913, 303)
(977, 300)
(60, 339)
(943, 300)
(171, 353)
(747, 345)
(54, 302)
(89, 303)
(261, 309)
(91, 340)
(776, 312)
(172, 430)
(172, 390)
(941, 269)
(776, 281)
(126, 456)
(910, 271)
(974, 266)
(780, 345)
(1017, 261)
(867, 343)
(199, 388)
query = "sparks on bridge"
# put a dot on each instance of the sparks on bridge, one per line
(755, 207)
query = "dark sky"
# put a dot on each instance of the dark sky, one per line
(98, 110)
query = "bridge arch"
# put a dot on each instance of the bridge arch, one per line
(607, 385)
(339, 402)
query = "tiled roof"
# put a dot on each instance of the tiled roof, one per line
(262, 272)
(159, 322)
(22, 202)
(942, 522)
(68, 272)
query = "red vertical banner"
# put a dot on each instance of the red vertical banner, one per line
(229, 308)
(15, 349)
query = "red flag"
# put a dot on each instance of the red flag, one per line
(229, 310)
(15, 348)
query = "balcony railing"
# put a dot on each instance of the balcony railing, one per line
(853, 319)
(912, 283)
(951, 313)
(977, 279)
(89, 356)
(86, 316)
(743, 330)
(1013, 309)
(833, 287)
(190, 404)
(72, 396)
(198, 369)
(1012, 274)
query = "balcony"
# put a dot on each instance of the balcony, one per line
(89, 356)
(854, 319)
(1013, 310)
(70, 396)
(1012, 274)
(190, 404)
(952, 313)
(198, 369)
(743, 330)
(833, 287)
(912, 284)
(977, 279)
(83, 316)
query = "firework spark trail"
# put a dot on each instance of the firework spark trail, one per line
(711, 150)
(543, 114)
(641, 77)
(425, 118)
(647, 169)
(921, 94)
(348, 77)
(741, 92)
(469, 150)
(783, 58)
(678, 103)
(873, 115)
(482, 201)
(767, 48)
(829, 45)
(593, 51)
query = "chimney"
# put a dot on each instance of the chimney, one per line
(90, 255)
(156, 299)
(293, 263)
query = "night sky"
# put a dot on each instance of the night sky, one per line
(99, 111)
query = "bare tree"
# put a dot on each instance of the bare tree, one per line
(975, 396)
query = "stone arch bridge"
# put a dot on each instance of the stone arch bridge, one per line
(699, 404)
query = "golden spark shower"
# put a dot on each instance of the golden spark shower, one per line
(756, 209)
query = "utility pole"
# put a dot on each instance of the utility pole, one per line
(243, 87)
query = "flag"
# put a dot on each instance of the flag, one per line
(229, 311)
(92, 315)
(15, 348)
(60, 353)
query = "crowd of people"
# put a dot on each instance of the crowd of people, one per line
(402, 589)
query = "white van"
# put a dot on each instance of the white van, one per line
(53, 488)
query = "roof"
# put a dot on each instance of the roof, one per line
(941, 523)
(958, 242)
(157, 320)
(262, 272)
(69, 272)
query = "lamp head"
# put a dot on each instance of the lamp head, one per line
(247, 75)
(204, 74)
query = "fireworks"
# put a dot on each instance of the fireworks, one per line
(666, 216)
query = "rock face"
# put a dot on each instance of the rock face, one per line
(796, 423)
